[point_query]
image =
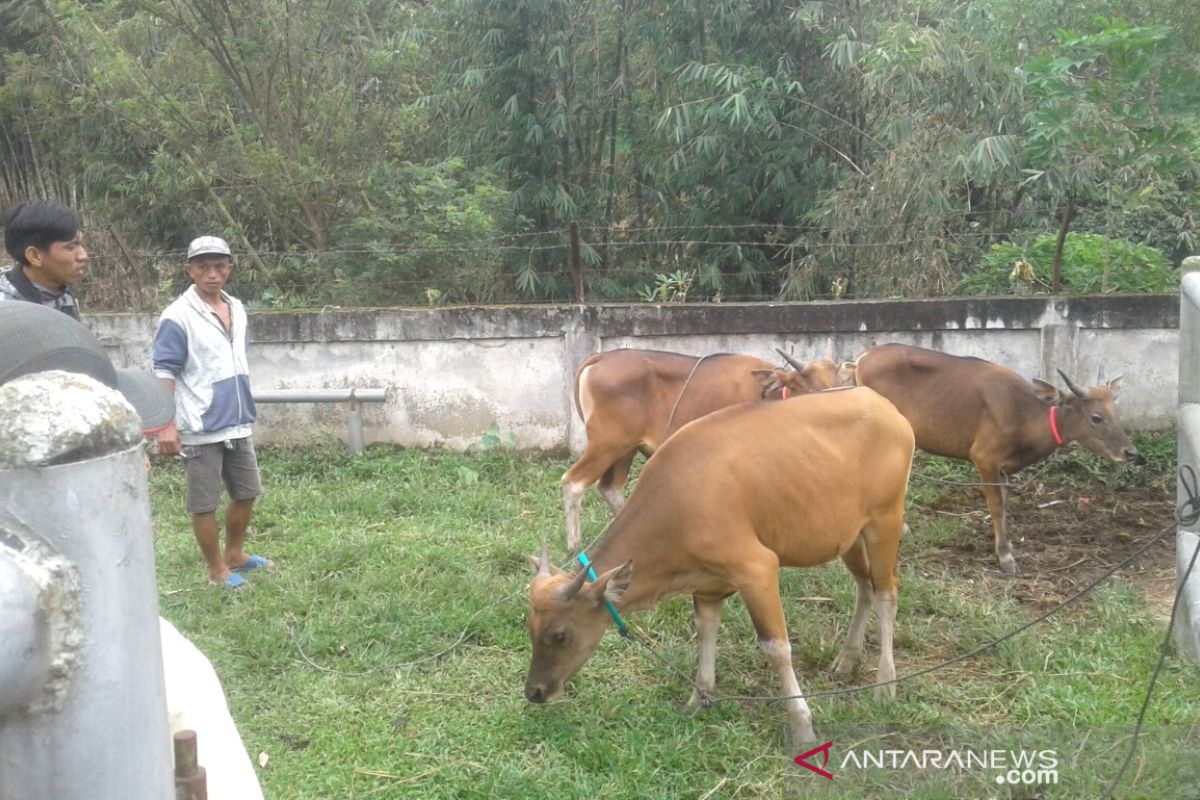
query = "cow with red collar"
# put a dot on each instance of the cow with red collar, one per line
(987, 414)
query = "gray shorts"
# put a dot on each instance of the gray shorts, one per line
(232, 463)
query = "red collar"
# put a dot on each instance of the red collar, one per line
(1058, 440)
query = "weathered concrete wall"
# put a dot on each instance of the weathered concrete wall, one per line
(453, 372)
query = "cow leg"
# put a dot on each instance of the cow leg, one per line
(882, 540)
(708, 621)
(612, 485)
(591, 466)
(572, 494)
(856, 561)
(761, 596)
(995, 489)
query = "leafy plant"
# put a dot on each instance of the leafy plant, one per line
(668, 287)
(1109, 117)
(1091, 264)
(494, 439)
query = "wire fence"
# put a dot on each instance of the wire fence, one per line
(745, 262)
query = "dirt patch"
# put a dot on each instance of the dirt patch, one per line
(1064, 537)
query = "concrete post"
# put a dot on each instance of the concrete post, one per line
(1060, 350)
(579, 342)
(91, 720)
(1187, 621)
(354, 434)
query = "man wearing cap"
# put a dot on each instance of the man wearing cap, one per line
(46, 244)
(200, 355)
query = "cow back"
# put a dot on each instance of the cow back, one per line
(801, 477)
(654, 393)
(947, 399)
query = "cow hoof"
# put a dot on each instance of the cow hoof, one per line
(1008, 566)
(800, 737)
(885, 693)
(843, 666)
(698, 703)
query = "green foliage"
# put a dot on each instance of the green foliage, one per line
(494, 439)
(379, 153)
(1091, 264)
(668, 288)
(1111, 120)
(420, 234)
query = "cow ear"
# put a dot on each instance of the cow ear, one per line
(612, 585)
(763, 376)
(1114, 386)
(1047, 392)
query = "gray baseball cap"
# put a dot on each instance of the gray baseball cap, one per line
(36, 338)
(208, 245)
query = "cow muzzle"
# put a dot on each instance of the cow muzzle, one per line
(1134, 457)
(540, 694)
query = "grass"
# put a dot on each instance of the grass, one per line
(385, 654)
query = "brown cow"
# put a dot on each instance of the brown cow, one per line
(989, 415)
(632, 400)
(725, 503)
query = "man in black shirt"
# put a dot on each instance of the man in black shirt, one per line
(46, 243)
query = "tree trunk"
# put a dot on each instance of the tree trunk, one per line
(1056, 269)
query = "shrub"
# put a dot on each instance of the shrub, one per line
(1091, 264)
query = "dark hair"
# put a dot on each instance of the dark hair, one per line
(40, 225)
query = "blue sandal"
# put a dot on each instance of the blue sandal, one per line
(253, 563)
(234, 581)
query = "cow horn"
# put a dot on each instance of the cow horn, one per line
(1071, 385)
(796, 365)
(567, 593)
(1100, 374)
(544, 560)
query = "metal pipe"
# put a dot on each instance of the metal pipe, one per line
(103, 730)
(354, 433)
(319, 395)
(354, 425)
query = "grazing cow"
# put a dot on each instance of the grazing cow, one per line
(725, 503)
(632, 400)
(989, 415)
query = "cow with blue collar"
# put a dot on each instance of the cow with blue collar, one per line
(718, 510)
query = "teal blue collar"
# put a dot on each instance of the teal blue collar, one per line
(612, 611)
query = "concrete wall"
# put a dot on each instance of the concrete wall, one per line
(453, 372)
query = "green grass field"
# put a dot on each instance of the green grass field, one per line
(385, 654)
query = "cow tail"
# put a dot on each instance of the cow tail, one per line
(587, 362)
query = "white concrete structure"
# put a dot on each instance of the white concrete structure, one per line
(453, 372)
(78, 598)
(1187, 622)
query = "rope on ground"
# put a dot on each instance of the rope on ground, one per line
(291, 624)
(1185, 515)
